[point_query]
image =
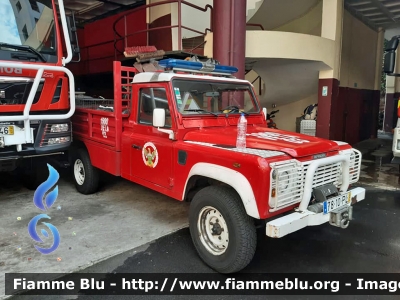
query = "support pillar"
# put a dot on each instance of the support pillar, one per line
(328, 87)
(376, 96)
(229, 33)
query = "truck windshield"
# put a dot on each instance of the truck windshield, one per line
(27, 26)
(213, 97)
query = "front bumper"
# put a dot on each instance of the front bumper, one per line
(17, 145)
(298, 220)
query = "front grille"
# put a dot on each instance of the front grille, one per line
(290, 178)
(16, 91)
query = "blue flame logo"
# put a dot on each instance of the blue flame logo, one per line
(44, 202)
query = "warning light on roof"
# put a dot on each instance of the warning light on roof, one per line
(196, 66)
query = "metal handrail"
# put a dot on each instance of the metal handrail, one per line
(258, 77)
(118, 36)
(198, 46)
(256, 25)
(259, 85)
(26, 116)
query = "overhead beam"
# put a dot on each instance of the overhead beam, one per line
(112, 3)
(360, 16)
(384, 9)
(116, 11)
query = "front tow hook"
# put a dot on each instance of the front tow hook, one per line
(341, 217)
(344, 223)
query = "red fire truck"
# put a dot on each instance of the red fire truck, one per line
(175, 131)
(35, 108)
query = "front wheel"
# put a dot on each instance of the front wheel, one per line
(86, 177)
(223, 234)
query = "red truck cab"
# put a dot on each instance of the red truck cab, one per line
(35, 107)
(175, 132)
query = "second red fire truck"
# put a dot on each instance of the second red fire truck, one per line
(175, 131)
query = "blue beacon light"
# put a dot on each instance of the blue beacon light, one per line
(196, 66)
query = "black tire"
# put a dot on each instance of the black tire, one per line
(242, 238)
(88, 182)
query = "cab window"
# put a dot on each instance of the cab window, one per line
(149, 99)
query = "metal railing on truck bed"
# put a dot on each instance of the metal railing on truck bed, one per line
(100, 120)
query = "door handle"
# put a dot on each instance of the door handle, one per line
(136, 147)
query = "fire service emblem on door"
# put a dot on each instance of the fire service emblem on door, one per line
(150, 155)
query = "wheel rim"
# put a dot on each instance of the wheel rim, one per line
(213, 230)
(79, 172)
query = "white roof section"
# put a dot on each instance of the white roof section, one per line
(168, 76)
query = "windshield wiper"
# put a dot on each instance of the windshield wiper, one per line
(202, 110)
(24, 48)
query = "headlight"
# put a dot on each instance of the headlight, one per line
(285, 185)
(283, 181)
(59, 127)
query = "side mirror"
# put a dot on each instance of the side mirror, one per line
(73, 35)
(265, 112)
(390, 62)
(159, 121)
(392, 44)
(159, 117)
(390, 56)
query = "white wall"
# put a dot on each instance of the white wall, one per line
(358, 63)
(310, 23)
(194, 18)
(288, 45)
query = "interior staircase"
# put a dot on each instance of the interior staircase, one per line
(195, 44)
(252, 7)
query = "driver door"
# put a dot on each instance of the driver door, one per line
(152, 150)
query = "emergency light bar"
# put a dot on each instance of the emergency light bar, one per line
(196, 66)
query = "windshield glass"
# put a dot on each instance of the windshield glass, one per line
(29, 23)
(206, 97)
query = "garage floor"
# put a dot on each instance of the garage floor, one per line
(120, 217)
(376, 169)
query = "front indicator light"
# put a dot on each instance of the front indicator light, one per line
(58, 140)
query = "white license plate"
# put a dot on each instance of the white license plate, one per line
(337, 202)
(7, 130)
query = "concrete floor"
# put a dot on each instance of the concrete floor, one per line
(120, 217)
(370, 244)
(377, 169)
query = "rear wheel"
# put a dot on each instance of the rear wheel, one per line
(86, 177)
(223, 234)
